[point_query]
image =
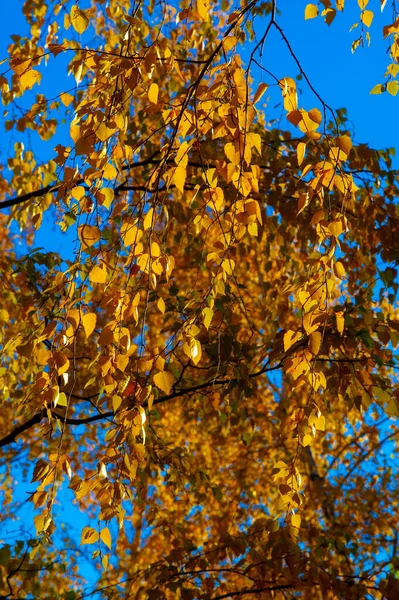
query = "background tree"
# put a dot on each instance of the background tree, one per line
(210, 369)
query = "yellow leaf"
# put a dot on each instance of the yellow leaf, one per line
(300, 152)
(290, 337)
(229, 42)
(320, 423)
(79, 20)
(207, 314)
(164, 381)
(88, 235)
(78, 192)
(259, 92)
(339, 269)
(228, 265)
(393, 87)
(336, 228)
(339, 316)
(311, 11)
(179, 177)
(362, 4)
(148, 220)
(344, 143)
(105, 196)
(315, 115)
(296, 521)
(105, 537)
(307, 440)
(66, 99)
(89, 321)
(203, 9)
(62, 400)
(109, 171)
(61, 361)
(98, 274)
(89, 536)
(103, 132)
(161, 305)
(40, 471)
(378, 89)
(288, 90)
(153, 93)
(29, 78)
(193, 350)
(130, 234)
(315, 342)
(367, 17)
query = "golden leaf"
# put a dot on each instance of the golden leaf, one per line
(344, 143)
(29, 78)
(161, 305)
(296, 521)
(105, 537)
(79, 19)
(393, 87)
(378, 89)
(88, 235)
(259, 92)
(164, 381)
(311, 11)
(339, 269)
(300, 152)
(98, 274)
(89, 536)
(89, 323)
(315, 340)
(229, 42)
(130, 234)
(179, 177)
(367, 17)
(66, 99)
(203, 9)
(290, 337)
(153, 93)
(147, 224)
(340, 319)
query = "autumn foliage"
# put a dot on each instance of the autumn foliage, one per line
(207, 372)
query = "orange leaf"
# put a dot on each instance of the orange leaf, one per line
(89, 235)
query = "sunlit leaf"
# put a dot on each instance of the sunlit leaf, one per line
(79, 19)
(89, 536)
(311, 11)
(164, 381)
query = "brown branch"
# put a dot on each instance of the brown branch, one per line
(38, 417)
(25, 197)
(247, 592)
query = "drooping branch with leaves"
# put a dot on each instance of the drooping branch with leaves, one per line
(209, 366)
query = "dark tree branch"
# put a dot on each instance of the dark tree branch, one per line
(253, 591)
(38, 417)
(25, 197)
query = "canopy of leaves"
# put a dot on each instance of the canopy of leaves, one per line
(209, 373)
